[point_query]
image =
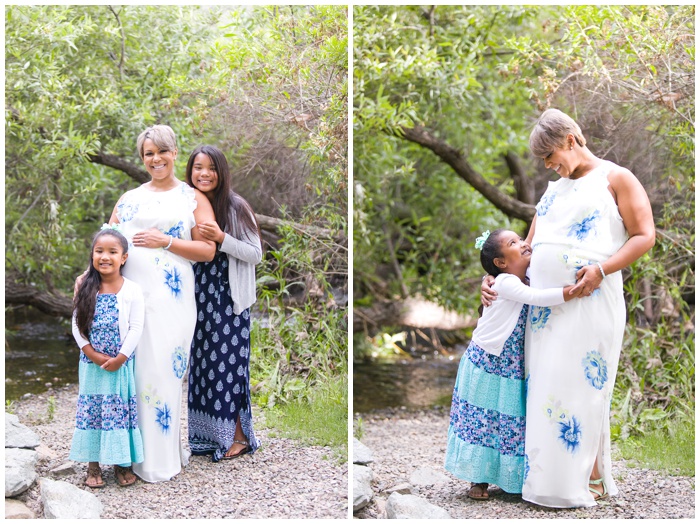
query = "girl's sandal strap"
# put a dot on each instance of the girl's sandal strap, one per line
(94, 472)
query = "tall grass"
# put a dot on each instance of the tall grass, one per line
(321, 418)
(299, 354)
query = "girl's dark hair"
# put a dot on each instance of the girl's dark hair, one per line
(85, 299)
(225, 199)
(490, 250)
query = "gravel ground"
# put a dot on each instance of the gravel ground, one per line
(403, 441)
(283, 479)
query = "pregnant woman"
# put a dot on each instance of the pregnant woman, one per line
(160, 219)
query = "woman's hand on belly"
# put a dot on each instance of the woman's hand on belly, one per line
(151, 238)
(588, 279)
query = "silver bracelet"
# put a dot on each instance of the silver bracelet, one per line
(171, 243)
(600, 266)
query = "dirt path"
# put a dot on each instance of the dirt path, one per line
(402, 442)
(281, 480)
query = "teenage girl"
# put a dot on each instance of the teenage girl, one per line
(486, 437)
(218, 409)
(108, 314)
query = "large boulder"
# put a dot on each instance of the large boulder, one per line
(361, 454)
(19, 470)
(62, 500)
(361, 486)
(18, 435)
(412, 507)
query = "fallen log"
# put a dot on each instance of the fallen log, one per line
(55, 304)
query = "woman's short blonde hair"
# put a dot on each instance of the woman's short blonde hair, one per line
(550, 132)
(162, 136)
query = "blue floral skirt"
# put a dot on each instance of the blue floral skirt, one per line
(106, 422)
(219, 381)
(486, 437)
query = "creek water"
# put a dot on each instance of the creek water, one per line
(39, 353)
(415, 383)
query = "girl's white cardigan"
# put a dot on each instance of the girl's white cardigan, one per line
(131, 315)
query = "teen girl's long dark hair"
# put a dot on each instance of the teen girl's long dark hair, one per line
(225, 199)
(85, 299)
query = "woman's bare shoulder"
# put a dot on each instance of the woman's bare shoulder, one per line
(618, 172)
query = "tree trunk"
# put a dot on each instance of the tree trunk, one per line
(454, 158)
(116, 162)
(56, 304)
(60, 305)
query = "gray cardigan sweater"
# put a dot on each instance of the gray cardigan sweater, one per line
(243, 255)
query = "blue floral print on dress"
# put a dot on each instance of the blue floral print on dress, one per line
(173, 280)
(570, 434)
(163, 417)
(175, 231)
(511, 362)
(596, 369)
(539, 316)
(487, 427)
(126, 211)
(106, 412)
(582, 229)
(104, 331)
(527, 467)
(544, 204)
(179, 362)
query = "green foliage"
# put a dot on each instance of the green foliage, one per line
(267, 85)
(51, 408)
(477, 77)
(358, 428)
(320, 420)
(670, 450)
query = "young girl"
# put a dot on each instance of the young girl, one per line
(108, 317)
(486, 437)
(219, 409)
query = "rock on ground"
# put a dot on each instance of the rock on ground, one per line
(283, 479)
(19, 470)
(361, 454)
(427, 477)
(62, 500)
(361, 486)
(402, 441)
(18, 435)
(14, 509)
(411, 507)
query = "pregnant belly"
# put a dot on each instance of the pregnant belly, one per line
(554, 265)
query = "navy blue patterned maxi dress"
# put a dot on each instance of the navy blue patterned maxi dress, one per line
(219, 381)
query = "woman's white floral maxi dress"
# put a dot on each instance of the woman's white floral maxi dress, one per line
(167, 281)
(572, 350)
